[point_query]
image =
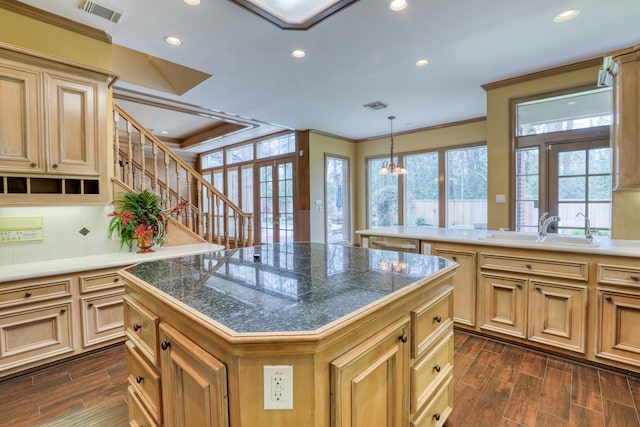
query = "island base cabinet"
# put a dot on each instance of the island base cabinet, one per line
(464, 285)
(504, 305)
(618, 333)
(194, 383)
(367, 382)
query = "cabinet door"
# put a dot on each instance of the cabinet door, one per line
(367, 382)
(72, 118)
(557, 315)
(194, 383)
(20, 138)
(464, 285)
(34, 333)
(504, 305)
(102, 318)
(618, 332)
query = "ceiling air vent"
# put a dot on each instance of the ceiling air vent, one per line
(376, 105)
(101, 11)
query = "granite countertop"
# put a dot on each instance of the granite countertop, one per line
(605, 245)
(30, 270)
(286, 287)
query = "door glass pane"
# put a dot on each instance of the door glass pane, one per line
(337, 199)
(382, 196)
(247, 189)
(600, 161)
(285, 203)
(600, 188)
(421, 200)
(266, 205)
(233, 192)
(572, 188)
(572, 163)
(527, 189)
(466, 183)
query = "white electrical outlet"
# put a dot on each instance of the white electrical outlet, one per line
(278, 387)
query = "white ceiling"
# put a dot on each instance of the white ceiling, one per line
(363, 53)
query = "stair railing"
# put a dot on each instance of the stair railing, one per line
(143, 162)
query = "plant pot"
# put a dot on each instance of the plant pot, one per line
(145, 241)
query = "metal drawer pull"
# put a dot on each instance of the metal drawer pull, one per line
(436, 417)
(528, 265)
(27, 294)
(64, 310)
(165, 345)
(608, 298)
(139, 379)
(33, 164)
(438, 318)
(90, 305)
(116, 279)
(634, 277)
(519, 285)
(455, 258)
(403, 337)
(538, 288)
(137, 327)
(437, 368)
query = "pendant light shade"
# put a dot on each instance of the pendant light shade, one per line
(391, 167)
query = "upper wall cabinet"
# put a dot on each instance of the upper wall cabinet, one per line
(53, 130)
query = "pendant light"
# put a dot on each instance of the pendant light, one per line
(391, 167)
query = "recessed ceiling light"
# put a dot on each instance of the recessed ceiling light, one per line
(422, 62)
(572, 102)
(566, 15)
(397, 5)
(173, 41)
(298, 53)
(164, 132)
(192, 2)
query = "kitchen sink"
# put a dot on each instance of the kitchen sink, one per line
(548, 240)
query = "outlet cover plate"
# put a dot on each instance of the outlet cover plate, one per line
(278, 387)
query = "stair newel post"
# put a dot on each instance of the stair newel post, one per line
(190, 212)
(178, 180)
(143, 167)
(236, 227)
(209, 215)
(249, 230)
(225, 210)
(154, 151)
(117, 172)
(167, 190)
(218, 232)
(200, 216)
(129, 156)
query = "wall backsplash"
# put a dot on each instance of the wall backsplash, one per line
(61, 234)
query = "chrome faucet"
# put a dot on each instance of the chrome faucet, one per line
(545, 222)
(588, 232)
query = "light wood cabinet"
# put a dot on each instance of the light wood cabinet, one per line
(102, 318)
(618, 333)
(368, 383)
(21, 142)
(504, 304)
(194, 383)
(464, 285)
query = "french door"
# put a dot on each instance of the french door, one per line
(275, 207)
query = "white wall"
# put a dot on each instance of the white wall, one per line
(61, 237)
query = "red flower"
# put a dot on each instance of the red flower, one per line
(126, 217)
(140, 230)
(114, 213)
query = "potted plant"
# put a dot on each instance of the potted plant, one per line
(140, 216)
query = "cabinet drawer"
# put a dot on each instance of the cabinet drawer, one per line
(35, 334)
(102, 318)
(428, 372)
(618, 275)
(438, 410)
(144, 380)
(618, 318)
(98, 282)
(138, 415)
(429, 319)
(35, 292)
(545, 267)
(141, 326)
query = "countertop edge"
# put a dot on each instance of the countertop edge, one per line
(32, 270)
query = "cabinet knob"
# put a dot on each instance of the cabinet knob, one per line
(608, 298)
(403, 337)
(63, 310)
(27, 294)
(33, 164)
(436, 417)
(139, 379)
(116, 279)
(136, 327)
(55, 166)
(634, 277)
(166, 344)
(437, 368)
(455, 258)
(438, 318)
(538, 288)
(519, 285)
(528, 265)
(90, 305)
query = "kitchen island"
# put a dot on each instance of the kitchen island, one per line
(319, 334)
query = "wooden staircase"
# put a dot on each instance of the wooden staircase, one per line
(142, 161)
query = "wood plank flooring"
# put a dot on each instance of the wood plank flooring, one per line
(495, 384)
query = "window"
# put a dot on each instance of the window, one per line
(563, 162)
(418, 198)
(336, 190)
(466, 181)
(243, 153)
(282, 144)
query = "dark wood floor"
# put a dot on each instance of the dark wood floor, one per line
(495, 385)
